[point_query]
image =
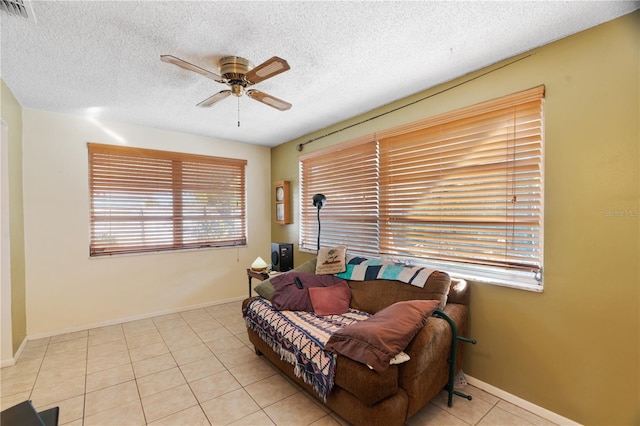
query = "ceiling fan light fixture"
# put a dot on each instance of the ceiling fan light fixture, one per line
(239, 74)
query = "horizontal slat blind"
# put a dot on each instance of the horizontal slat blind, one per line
(461, 188)
(468, 190)
(349, 180)
(149, 200)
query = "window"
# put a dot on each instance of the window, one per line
(146, 200)
(461, 191)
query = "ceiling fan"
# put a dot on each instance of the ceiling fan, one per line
(239, 74)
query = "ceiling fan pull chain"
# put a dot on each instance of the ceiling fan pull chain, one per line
(238, 111)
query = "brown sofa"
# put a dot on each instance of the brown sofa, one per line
(365, 397)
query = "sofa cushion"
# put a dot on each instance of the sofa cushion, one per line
(287, 296)
(379, 338)
(266, 289)
(331, 260)
(331, 300)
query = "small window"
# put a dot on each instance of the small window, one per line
(147, 200)
(462, 191)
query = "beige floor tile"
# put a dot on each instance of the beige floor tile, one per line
(105, 349)
(225, 344)
(167, 322)
(67, 358)
(134, 328)
(190, 354)
(11, 400)
(102, 335)
(168, 402)
(186, 341)
(210, 324)
(230, 319)
(259, 418)
(74, 423)
(138, 340)
(108, 329)
(66, 389)
(237, 329)
(214, 385)
(70, 409)
(239, 357)
(220, 310)
(294, 410)
(523, 414)
(499, 417)
(40, 342)
(56, 375)
(17, 383)
(129, 414)
(110, 397)
(326, 421)
(153, 365)
(229, 407)
(112, 376)
(106, 362)
(195, 316)
(270, 390)
(213, 334)
(192, 416)
(252, 371)
(430, 414)
(148, 351)
(22, 367)
(201, 368)
(469, 411)
(476, 394)
(34, 352)
(159, 382)
(67, 345)
(68, 336)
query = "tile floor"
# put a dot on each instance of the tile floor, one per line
(191, 368)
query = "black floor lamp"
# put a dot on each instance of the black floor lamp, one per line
(319, 200)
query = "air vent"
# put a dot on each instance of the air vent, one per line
(21, 8)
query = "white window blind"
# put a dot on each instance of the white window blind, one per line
(348, 175)
(148, 200)
(462, 188)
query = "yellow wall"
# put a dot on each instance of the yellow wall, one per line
(573, 349)
(11, 113)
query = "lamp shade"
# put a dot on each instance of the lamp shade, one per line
(319, 200)
(259, 265)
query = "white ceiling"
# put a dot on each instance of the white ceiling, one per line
(103, 57)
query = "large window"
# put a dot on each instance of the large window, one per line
(461, 191)
(146, 200)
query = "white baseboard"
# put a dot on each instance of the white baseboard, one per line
(12, 361)
(127, 319)
(522, 403)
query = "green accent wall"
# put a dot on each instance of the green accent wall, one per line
(573, 349)
(11, 113)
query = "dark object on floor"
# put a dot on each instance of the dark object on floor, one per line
(24, 414)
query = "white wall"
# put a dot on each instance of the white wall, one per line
(65, 288)
(6, 332)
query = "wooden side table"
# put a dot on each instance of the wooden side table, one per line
(258, 275)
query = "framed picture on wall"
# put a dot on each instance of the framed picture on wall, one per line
(282, 202)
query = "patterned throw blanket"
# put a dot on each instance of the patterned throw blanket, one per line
(363, 269)
(299, 338)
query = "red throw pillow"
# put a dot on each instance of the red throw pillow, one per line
(382, 336)
(332, 300)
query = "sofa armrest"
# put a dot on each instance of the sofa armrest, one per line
(427, 372)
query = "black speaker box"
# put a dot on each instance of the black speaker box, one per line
(281, 257)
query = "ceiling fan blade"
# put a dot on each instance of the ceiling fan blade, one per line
(213, 99)
(189, 66)
(267, 69)
(268, 100)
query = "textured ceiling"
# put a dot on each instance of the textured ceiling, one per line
(103, 57)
